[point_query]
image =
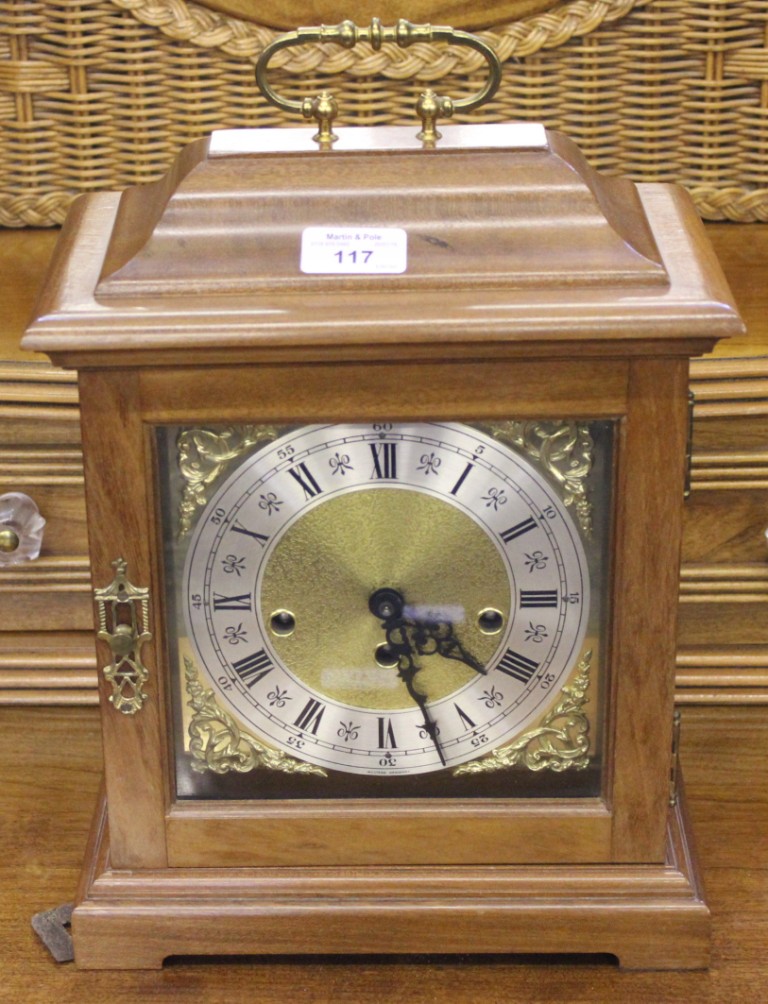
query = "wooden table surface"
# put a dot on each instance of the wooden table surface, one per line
(50, 765)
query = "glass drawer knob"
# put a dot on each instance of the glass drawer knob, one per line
(21, 529)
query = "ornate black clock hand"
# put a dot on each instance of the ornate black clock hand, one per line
(387, 605)
(436, 637)
(429, 634)
(398, 642)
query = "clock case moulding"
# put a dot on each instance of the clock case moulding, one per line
(534, 287)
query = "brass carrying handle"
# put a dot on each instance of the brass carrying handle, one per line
(323, 108)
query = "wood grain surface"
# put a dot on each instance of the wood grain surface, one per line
(742, 251)
(51, 764)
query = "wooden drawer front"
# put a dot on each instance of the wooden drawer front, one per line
(723, 620)
(733, 614)
(46, 637)
(47, 596)
(726, 527)
(52, 592)
(731, 430)
(54, 480)
(24, 425)
(47, 667)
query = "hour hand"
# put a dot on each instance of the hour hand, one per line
(423, 634)
(436, 637)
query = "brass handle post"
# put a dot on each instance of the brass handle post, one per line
(347, 34)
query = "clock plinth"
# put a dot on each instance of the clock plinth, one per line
(389, 657)
(648, 917)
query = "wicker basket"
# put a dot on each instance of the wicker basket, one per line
(102, 93)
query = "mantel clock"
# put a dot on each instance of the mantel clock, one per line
(385, 453)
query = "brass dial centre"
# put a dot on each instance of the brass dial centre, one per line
(329, 562)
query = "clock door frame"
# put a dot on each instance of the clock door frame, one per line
(647, 396)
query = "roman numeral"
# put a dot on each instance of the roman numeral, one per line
(237, 527)
(465, 719)
(462, 478)
(301, 474)
(517, 666)
(242, 602)
(538, 598)
(309, 716)
(519, 529)
(386, 734)
(253, 667)
(384, 460)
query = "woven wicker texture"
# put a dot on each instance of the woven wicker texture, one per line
(100, 94)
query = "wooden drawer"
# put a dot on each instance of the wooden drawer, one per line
(46, 630)
(51, 592)
(46, 641)
(726, 526)
(723, 617)
(47, 667)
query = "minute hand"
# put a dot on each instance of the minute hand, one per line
(399, 639)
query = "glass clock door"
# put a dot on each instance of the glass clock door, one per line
(394, 610)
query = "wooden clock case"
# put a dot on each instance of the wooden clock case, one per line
(534, 289)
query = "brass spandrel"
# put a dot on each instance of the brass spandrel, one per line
(218, 744)
(565, 449)
(560, 742)
(204, 455)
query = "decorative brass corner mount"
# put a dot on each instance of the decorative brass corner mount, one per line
(218, 744)
(430, 106)
(566, 450)
(559, 743)
(203, 456)
(124, 625)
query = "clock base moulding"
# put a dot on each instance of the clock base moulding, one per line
(648, 916)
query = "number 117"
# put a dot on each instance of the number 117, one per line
(351, 256)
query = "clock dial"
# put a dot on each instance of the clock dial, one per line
(386, 599)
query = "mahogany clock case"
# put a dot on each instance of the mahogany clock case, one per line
(153, 303)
